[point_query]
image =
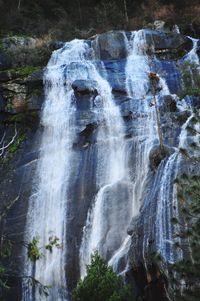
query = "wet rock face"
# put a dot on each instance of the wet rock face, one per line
(21, 92)
(156, 155)
(25, 95)
(168, 45)
(84, 87)
(151, 285)
(110, 45)
(2, 103)
(15, 42)
(168, 104)
(4, 61)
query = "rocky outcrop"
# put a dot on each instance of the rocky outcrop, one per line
(15, 42)
(84, 87)
(157, 154)
(110, 45)
(113, 45)
(20, 91)
(4, 61)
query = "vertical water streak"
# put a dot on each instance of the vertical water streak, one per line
(167, 204)
(110, 171)
(145, 135)
(192, 55)
(48, 203)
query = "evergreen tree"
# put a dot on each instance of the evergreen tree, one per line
(101, 284)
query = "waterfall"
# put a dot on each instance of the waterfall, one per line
(192, 55)
(96, 229)
(101, 230)
(168, 203)
(137, 85)
(48, 203)
(145, 135)
(167, 206)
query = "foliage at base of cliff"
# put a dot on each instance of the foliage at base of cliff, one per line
(101, 283)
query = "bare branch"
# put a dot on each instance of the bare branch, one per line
(2, 149)
(2, 139)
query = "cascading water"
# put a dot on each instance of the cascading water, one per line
(168, 204)
(100, 232)
(192, 56)
(145, 136)
(96, 231)
(48, 204)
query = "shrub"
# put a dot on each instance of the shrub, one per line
(101, 283)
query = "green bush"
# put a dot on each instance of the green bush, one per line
(101, 284)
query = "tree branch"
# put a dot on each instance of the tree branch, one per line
(2, 149)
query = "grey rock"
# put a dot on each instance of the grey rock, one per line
(85, 87)
(110, 45)
(35, 79)
(156, 155)
(54, 45)
(35, 102)
(4, 76)
(168, 104)
(168, 42)
(159, 25)
(15, 42)
(2, 104)
(4, 61)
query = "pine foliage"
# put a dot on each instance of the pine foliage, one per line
(101, 283)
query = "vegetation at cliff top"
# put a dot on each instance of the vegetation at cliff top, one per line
(65, 19)
(101, 283)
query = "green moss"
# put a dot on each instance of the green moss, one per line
(10, 34)
(23, 71)
(190, 91)
(14, 147)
